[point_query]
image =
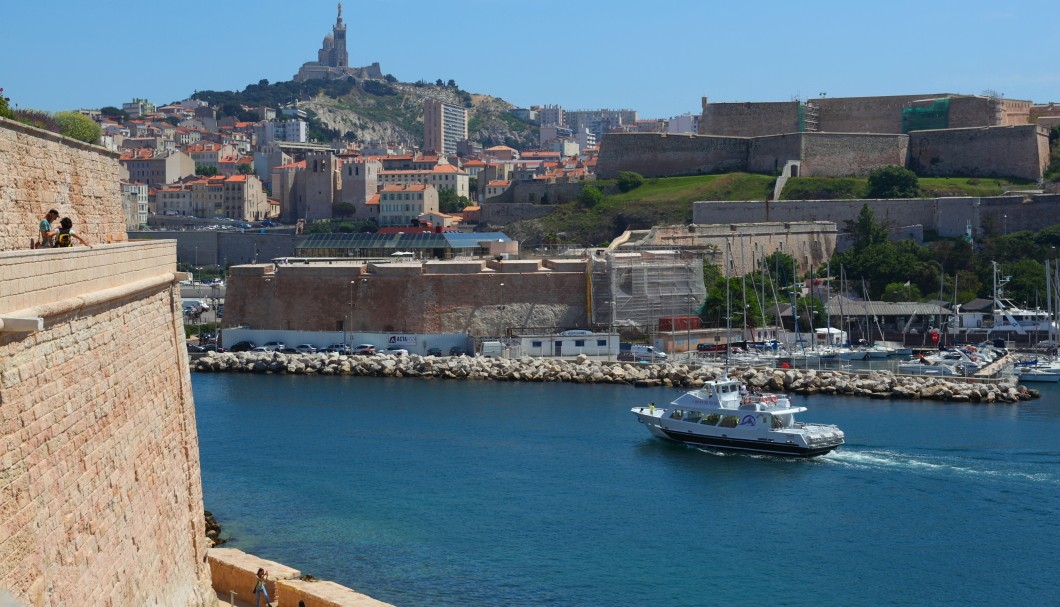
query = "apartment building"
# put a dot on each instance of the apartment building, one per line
(444, 126)
(401, 205)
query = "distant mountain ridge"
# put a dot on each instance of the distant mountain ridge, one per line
(385, 111)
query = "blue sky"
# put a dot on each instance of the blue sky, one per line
(657, 57)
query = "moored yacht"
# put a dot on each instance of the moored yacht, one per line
(719, 416)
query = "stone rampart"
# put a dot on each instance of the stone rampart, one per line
(40, 170)
(1002, 151)
(948, 217)
(810, 243)
(850, 154)
(865, 114)
(661, 154)
(316, 298)
(896, 213)
(100, 493)
(749, 119)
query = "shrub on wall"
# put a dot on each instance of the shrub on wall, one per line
(5, 111)
(628, 180)
(590, 197)
(78, 126)
(893, 182)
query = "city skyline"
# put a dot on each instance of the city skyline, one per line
(70, 55)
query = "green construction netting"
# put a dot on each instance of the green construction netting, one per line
(937, 116)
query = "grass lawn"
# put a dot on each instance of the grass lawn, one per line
(837, 188)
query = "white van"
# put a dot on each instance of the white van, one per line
(641, 351)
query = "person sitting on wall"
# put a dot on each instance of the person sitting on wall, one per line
(46, 231)
(65, 234)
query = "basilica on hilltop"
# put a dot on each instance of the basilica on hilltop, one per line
(333, 61)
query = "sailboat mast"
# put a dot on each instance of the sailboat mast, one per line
(728, 305)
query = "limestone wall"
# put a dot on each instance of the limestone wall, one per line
(865, 114)
(897, 213)
(948, 217)
(749, 119)
(322, 298)
(770, 154)
(40, 170)
(100, 493)
(851, 154)
(236, 571)
(661, 154)
(1003, 151)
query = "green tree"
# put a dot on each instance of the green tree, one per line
(893, 182)
(897, 291)
(343, 209)
(865, 230)
(112, 112)
(590, 197)
(628, 180)
(78, 126)
(205, 171)
(245, 169)
(449, 202)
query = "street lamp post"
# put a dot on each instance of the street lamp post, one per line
(1005, 218)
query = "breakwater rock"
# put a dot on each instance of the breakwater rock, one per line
(875, 384)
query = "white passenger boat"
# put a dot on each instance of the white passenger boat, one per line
(719, 416)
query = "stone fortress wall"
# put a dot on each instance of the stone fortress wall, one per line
(949, 217)
(1009, 151)
(843, 136)
(41, 170)
(477, 296)
(100, 493)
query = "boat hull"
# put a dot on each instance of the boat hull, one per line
(745, 445)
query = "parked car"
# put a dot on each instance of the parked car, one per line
(288, 351)
(434, 351)
(339, 349)
(306, 349)
(212, 348)
(364, 349)
(627, 356)
(195, 348)
(262, 349)
(396, 351)
(243, 346)
(457, 351)
(274, 345)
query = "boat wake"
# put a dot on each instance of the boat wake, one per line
(929, 465)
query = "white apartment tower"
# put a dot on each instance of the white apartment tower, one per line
(443, 126)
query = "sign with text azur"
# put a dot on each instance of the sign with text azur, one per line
(401, 340)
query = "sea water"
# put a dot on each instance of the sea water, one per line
(431, 492)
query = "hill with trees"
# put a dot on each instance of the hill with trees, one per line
(377, 110)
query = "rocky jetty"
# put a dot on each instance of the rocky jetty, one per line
(875, 384)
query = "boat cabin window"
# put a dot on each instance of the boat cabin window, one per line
(711, 420)
(729, 421)
(693, 416)
(677, 414)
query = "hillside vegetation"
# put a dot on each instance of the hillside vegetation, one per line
(837, 188)
(375, 110)
(659, 201)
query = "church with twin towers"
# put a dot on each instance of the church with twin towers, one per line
(333, 59)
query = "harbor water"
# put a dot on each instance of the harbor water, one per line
(426, 493)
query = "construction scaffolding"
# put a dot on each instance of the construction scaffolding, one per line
(637, 289)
